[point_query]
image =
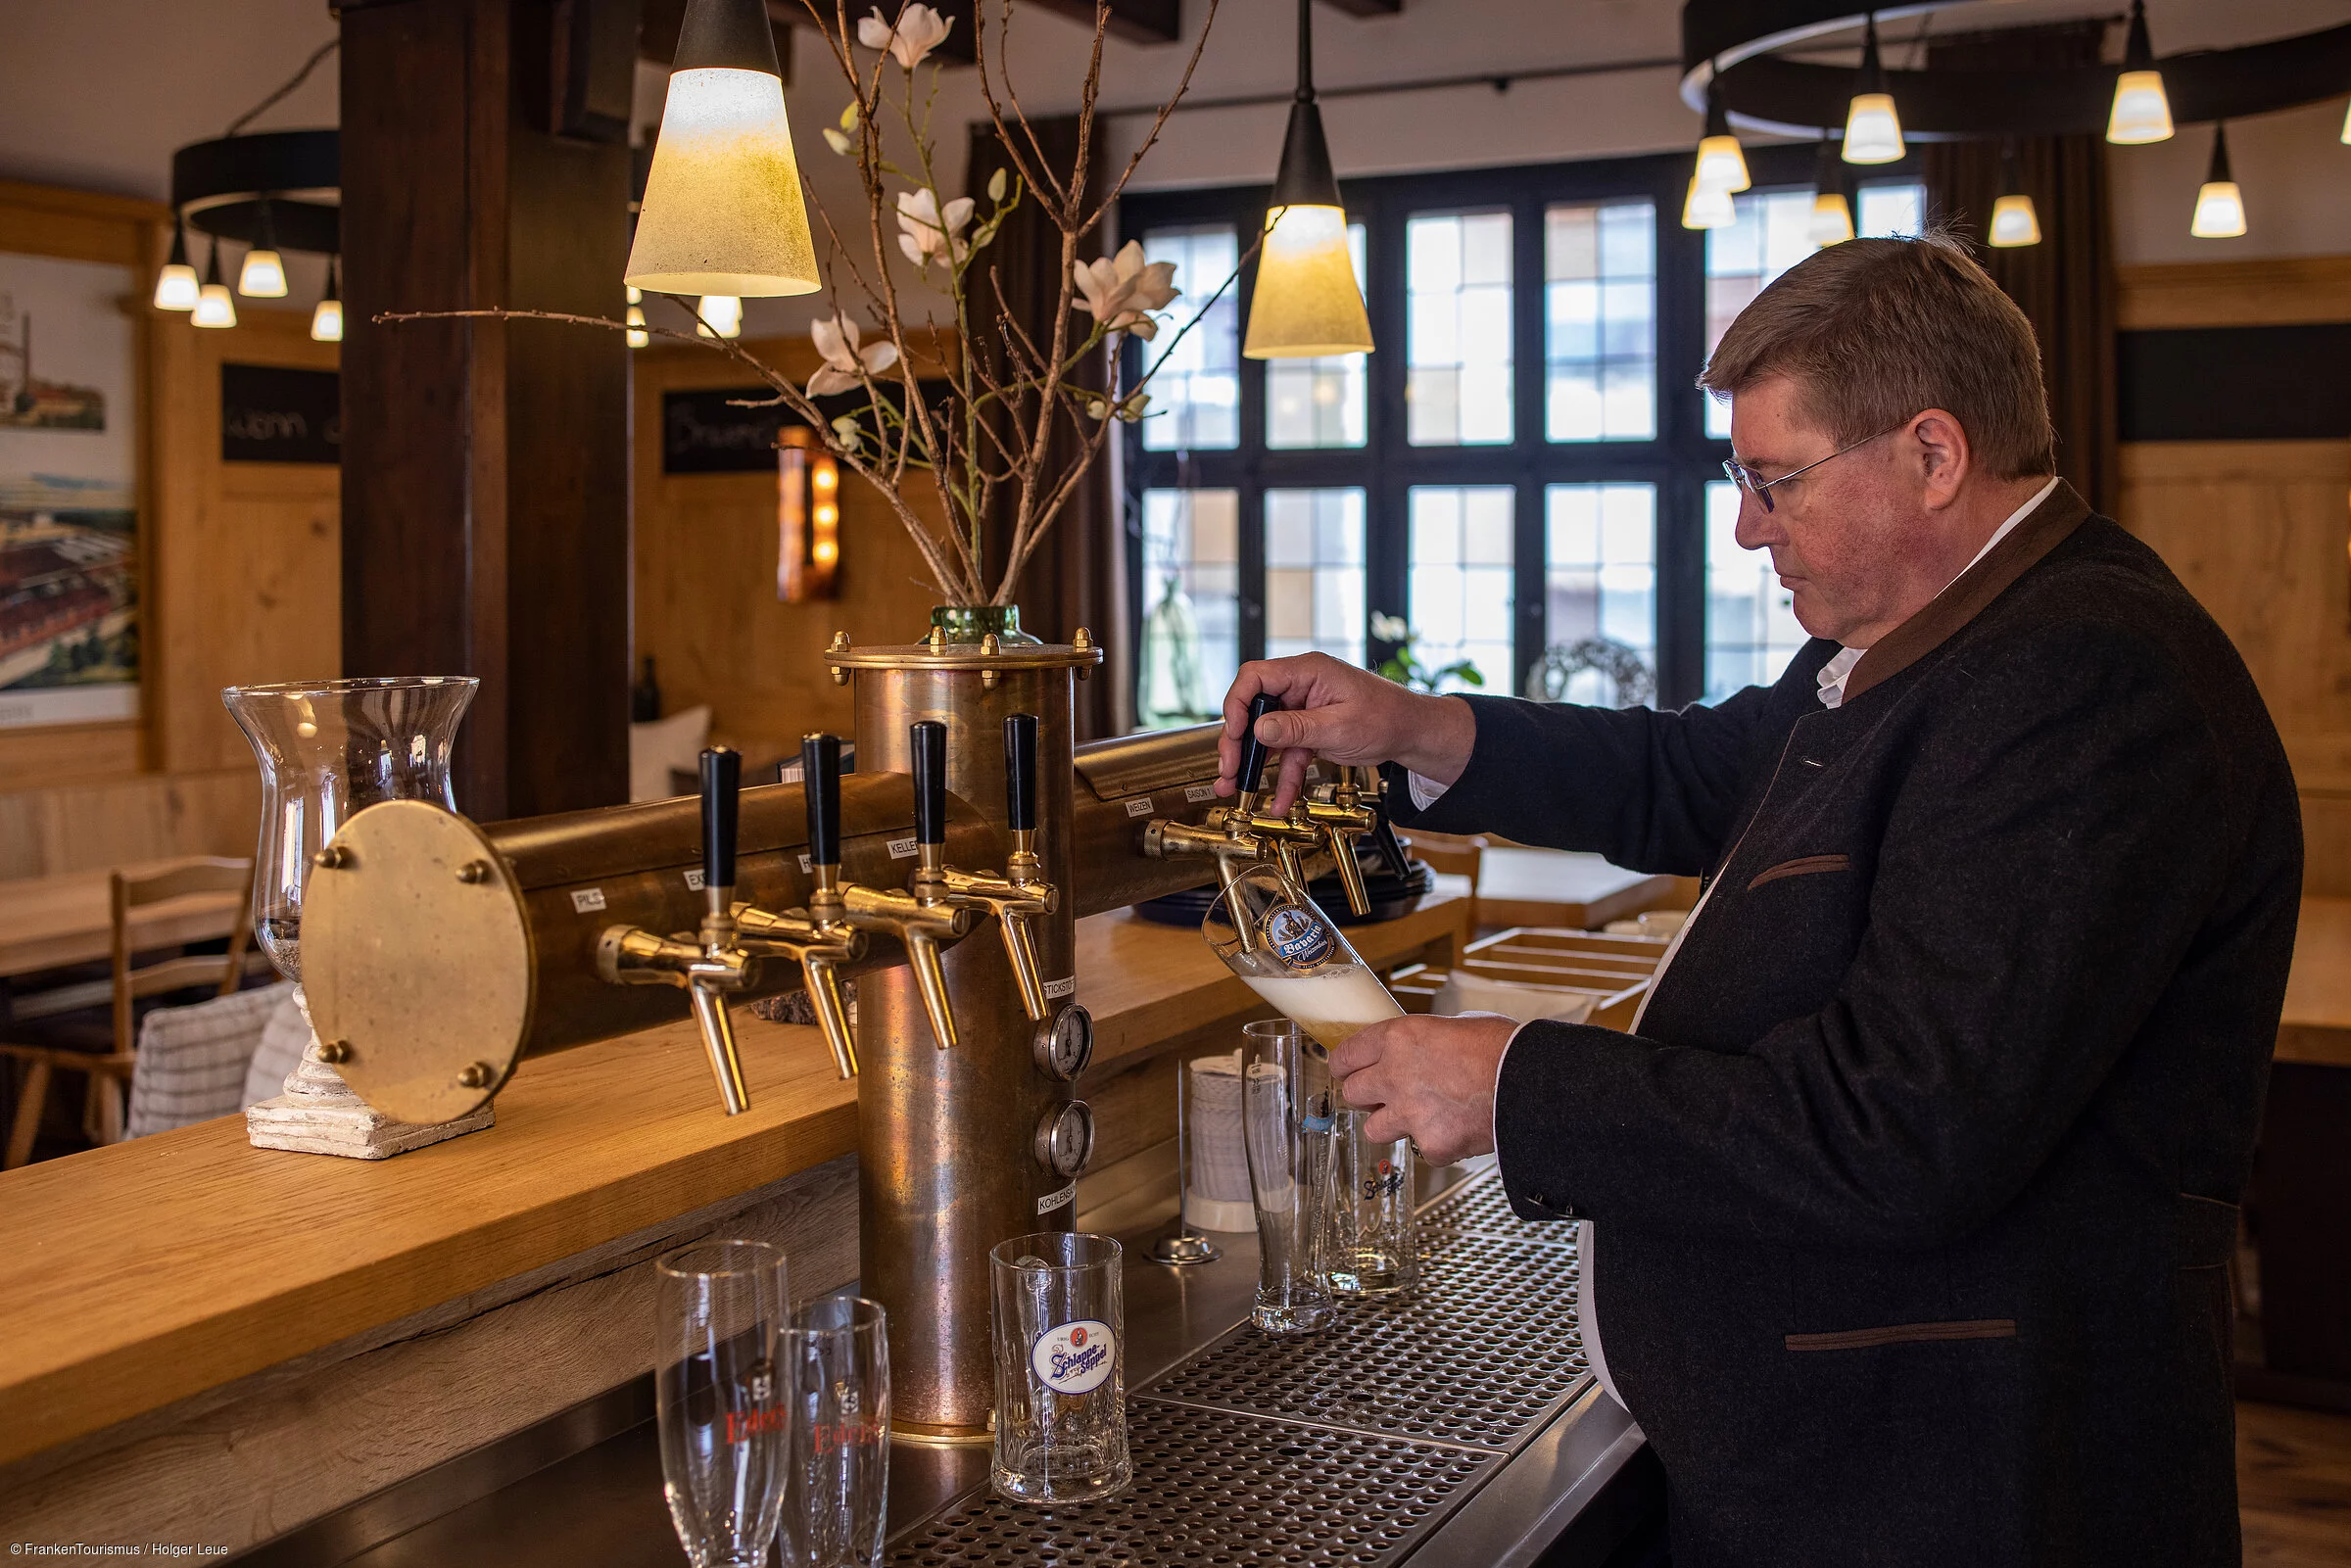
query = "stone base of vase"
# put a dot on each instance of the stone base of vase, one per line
(319, 1115)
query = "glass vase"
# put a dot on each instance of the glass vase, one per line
(327, 749)
(969, 623)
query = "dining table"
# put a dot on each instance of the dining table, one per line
(49, 922)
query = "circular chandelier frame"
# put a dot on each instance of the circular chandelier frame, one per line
(220, 187)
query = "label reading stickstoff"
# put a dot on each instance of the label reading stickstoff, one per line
(1297, 938)
(1075, 1358)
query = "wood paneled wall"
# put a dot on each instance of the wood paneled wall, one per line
(241, 571)
(2261, 532)
(706, 564)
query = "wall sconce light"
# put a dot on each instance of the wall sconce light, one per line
(807, 516)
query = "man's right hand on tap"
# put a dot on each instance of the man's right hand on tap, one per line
(1345, 715)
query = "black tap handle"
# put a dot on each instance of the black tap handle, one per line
(1253, 751)
(928, 737)
(722, 792)
(1020, 772)
(820, 783)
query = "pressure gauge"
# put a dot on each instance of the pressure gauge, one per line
(1065, 1043)
(1065, 1140)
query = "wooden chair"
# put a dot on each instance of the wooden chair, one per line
(109, 1070)
(1451, 855)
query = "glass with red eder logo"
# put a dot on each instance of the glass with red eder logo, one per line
(837, 1489)
(723, 1419)
(1061, 1374)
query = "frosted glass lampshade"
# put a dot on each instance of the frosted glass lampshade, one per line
(638, 337)
(721, 317)
(1873, 131)
(2220, 210)
(263, 275)
(2014, 222)
(1831, 219)
(213, 306)
(176, 288)
(1306, 304)
(723, 211)
(327, 321)
(1705, 209)
(1721, 166)
(2141, 112)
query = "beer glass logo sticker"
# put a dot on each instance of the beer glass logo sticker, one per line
(1297, 938)
(1389, 1180)
(1075, 1357)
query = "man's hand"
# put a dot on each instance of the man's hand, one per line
(1430, 1079)
(1345, 715)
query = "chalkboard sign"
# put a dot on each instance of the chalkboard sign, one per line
(272, 414)
(700, 434)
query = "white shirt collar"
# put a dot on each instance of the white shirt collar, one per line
(1832, 675)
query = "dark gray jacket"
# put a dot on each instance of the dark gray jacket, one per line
(1914, 1195)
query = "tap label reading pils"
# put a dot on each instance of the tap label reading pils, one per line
(1297, 938)
(1075, 1357)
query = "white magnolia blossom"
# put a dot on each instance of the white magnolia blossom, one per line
(1120, 292)
(925, 234)
(1389, 628)
(837, 340)
(920, 31)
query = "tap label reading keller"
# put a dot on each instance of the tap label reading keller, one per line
(1075, 1357)
(901, 849)
(1297, 938)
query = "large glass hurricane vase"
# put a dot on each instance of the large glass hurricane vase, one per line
(329, 750)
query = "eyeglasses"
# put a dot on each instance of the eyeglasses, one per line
(1747, 480)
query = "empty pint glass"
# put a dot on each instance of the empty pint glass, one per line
(1288, 1117)
(836, 1374)
(724, 1420)
(1061, 1374)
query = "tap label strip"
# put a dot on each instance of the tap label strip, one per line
(1057, 1199)
(902, 849)
(1194, 794)
(586, 900)
(1057, 990)
(1141, 806)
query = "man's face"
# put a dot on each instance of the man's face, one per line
(1837, 534)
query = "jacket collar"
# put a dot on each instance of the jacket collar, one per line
(2040, 532)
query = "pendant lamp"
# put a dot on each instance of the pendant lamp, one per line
(1832, 208)
(326, 320)
(2220, 205)
(1703, 209)
(1721, 164)
(2141, 112)
(723, 213)
(263, 275)
(176, 285)
(213, 306)
(719, 315)
(2014, 223)
(1873, 131)
(1307, 303)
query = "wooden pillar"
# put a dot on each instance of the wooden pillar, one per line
(486, 464)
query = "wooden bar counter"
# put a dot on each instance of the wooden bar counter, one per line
(202, 1341)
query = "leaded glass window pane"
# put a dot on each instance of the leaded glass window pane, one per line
(1599, 321)
(1461, 593)
(1600, 569)
(1196, 393)
(1191, 643)
(1315, 587)
(1751, 630)
(1457, 329)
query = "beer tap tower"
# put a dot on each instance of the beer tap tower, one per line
(440, 953)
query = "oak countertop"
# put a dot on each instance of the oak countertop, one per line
(136, 1275)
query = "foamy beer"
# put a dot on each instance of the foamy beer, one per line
(1272, 936)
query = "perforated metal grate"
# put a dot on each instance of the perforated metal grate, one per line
(1479, 1209)
(1213, 1488)
(1481, 1354)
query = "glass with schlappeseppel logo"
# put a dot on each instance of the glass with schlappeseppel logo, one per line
(1291, 955)
(1061, 1374)
(722, 1310)
(837, 1482)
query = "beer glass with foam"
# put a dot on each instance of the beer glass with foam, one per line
(1272, 936)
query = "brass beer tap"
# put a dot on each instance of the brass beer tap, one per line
(819, 938)
(1020, 894)
(931, 914)
(1338, 812)
(1239, 837)
(715, 964)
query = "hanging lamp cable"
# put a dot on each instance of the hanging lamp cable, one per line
(271, 102)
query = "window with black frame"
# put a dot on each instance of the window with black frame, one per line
(1520, 490)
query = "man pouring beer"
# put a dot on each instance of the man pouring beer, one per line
(1906, 1205)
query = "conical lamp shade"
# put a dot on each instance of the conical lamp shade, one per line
(723, 211)
(1705, 209)
(2014, 223)
(1831, 219)
(1306, 304)
(2141, 112)
(213, 306)
(176, 285)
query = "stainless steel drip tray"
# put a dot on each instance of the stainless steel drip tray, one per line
(1351, 1445)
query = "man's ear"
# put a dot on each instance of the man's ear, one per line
(1945, 455)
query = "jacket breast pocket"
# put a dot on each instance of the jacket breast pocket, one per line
(1802, 866)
